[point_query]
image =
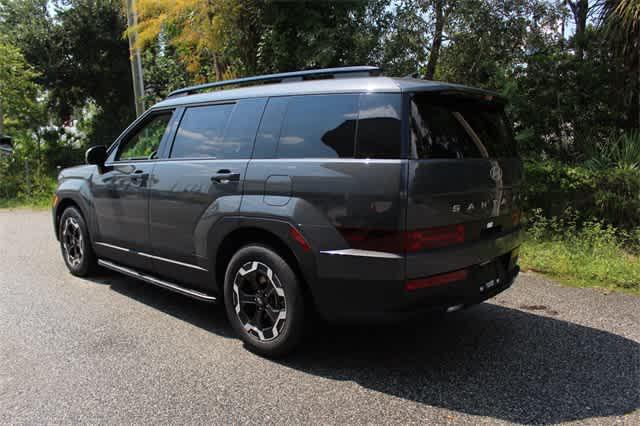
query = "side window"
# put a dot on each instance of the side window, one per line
(319, 126)
(379, 126)
(437, 133)
(201, 132)
(241, 130)
(269, 133)
(144, 143)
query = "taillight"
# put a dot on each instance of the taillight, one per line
(434, 237)
(437, 280)
(400, 242)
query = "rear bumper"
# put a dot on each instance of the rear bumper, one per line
(360, 289)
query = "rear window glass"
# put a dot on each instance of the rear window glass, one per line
(201, 132)
(379, 126)
(444, 127)
(319, 126)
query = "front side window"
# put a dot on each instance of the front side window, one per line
(319, 126)
(144, 143)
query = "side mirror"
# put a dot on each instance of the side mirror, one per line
(96, 155)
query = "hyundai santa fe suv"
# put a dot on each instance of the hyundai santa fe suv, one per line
(338, 191)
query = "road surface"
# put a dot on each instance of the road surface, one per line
(115, 350)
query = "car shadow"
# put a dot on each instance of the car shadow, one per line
(489, 360)
(210, 317)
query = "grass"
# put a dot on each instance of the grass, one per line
(36, 203)
(592, 255)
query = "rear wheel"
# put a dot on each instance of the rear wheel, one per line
(264, 301)
(75, 244)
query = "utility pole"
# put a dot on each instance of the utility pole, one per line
(136, 61)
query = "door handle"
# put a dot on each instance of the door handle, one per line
(225, 176)
(139, 177)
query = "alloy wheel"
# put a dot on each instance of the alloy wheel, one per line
(72, 241)
(259, 301)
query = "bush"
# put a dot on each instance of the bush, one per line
(610, 194)
(589, 254)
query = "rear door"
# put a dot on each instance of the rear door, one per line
(199, 181)
(463, 185)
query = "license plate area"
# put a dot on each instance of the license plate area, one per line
(491, 275)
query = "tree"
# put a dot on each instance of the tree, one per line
(18, 90)
(80, 56)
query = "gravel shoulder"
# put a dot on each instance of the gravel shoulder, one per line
(115, 350)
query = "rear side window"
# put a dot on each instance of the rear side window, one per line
(379, 126)
(444, 127)
(319, 126)
(201, 132)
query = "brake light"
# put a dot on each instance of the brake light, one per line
(400, 242)
(437, 280)
(434, 237)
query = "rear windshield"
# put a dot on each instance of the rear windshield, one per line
(453, 127)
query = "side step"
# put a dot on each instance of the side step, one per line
(156, 281)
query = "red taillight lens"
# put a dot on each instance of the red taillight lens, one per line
(374, 239)
(400, 242)
(437, 280)
(434, 237)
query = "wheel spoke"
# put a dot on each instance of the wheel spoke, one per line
(246, 298)
(258, 318)
(272, 313)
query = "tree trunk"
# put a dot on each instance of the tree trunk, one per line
(580, 10)
(434, 54)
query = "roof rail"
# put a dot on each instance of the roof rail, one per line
(281, 77)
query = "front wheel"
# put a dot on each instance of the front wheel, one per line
(264, 301)
(75, 244)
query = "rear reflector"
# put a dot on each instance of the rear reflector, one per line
(437, 280)
(296, 235)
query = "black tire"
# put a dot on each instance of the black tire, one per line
(286, 332)
(80, 260)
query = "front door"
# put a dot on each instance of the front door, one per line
(121, 193)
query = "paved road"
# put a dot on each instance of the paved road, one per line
(115, 350)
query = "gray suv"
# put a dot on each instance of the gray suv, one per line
(340, 192)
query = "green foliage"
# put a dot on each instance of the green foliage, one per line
(18, 90)
(80, 56)
(611, 194)
(592, 254)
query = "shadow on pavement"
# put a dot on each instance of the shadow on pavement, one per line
(488, 361)
(207, 316)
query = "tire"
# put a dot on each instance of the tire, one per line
(264, 301)
(75, 244)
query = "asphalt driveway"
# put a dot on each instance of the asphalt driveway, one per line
(115, 350)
